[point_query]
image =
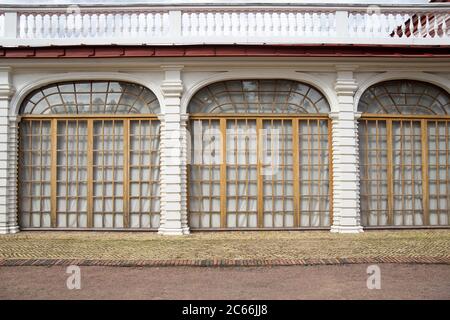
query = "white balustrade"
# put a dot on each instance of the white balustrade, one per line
(191, 25)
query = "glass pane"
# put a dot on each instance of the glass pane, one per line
(405, 97)
(259, 96)
(91, 97)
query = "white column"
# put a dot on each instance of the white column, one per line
(8, 150)
(346, 210)
(172, 162)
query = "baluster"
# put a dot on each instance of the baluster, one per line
(308, 25)
(435, 26)
(384, 25)
(150, 24)
(300, 23)
(333, 28)
(234, 24)
(419, 25)
(158, 24)
(30, 25)
(210, 25)
(226, 24)
(46, 26)
(102, 25)
(251, 24)
(38, 23)
(283, 24)
(85, 25)
(324, 24)
(184, 24)
(109, 32)
(259, 24)
(411, 26)
(126, 25)
(194, 24)
(243, 24)
(133, 25)
(61, 22)
(22, 26)
(291, 24)
(202, 24)
(316, 24)
(165, 23)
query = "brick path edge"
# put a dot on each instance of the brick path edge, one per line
(223, 262)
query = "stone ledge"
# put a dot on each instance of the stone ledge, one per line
(223, 262)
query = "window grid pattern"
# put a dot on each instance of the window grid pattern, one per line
(35, 174)
(91, 97)
(259, 96)
(89, 173)
(404, 167)
(405, 97)
(404, 154)
(439, 171)
(144, 174)
(72, 155)
(314, 164)
(274, 173)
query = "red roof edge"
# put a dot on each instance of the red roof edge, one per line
(321, 50)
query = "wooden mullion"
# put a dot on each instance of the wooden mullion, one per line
(223, 174)
(259, 154)
(90, 173)
(425, 182)
(126, 173)
(390, 171)
(330, 170)
(53, 170)
(296, 172)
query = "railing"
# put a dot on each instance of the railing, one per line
(225, 25)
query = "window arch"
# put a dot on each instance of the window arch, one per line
(89, 156)
(259, 96)
(404, 140)
(91, 97)
(405, 97)
(260, 155)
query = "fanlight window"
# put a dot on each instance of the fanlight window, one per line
(259, 96)
(405, 97)
(91, 97)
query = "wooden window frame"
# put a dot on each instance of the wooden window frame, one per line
(423, 120)
(259, 118)
(90, 119)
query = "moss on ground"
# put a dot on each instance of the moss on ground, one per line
(224, 245)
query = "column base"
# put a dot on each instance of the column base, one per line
(347, 229)
(174, 232)
(9, 229)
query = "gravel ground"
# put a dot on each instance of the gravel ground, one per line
(224, 245)
(312, 282)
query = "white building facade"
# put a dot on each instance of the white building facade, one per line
(236, 117)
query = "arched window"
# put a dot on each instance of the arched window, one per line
(89, 156)
(404, 136)
(91, 97)
(259, 96)
(259, 156)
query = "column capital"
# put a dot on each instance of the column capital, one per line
(172, 85)
(6, 88)
(345, 84)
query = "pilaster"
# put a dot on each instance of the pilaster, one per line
(346, 215)
(8, 157)
(173, 156)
